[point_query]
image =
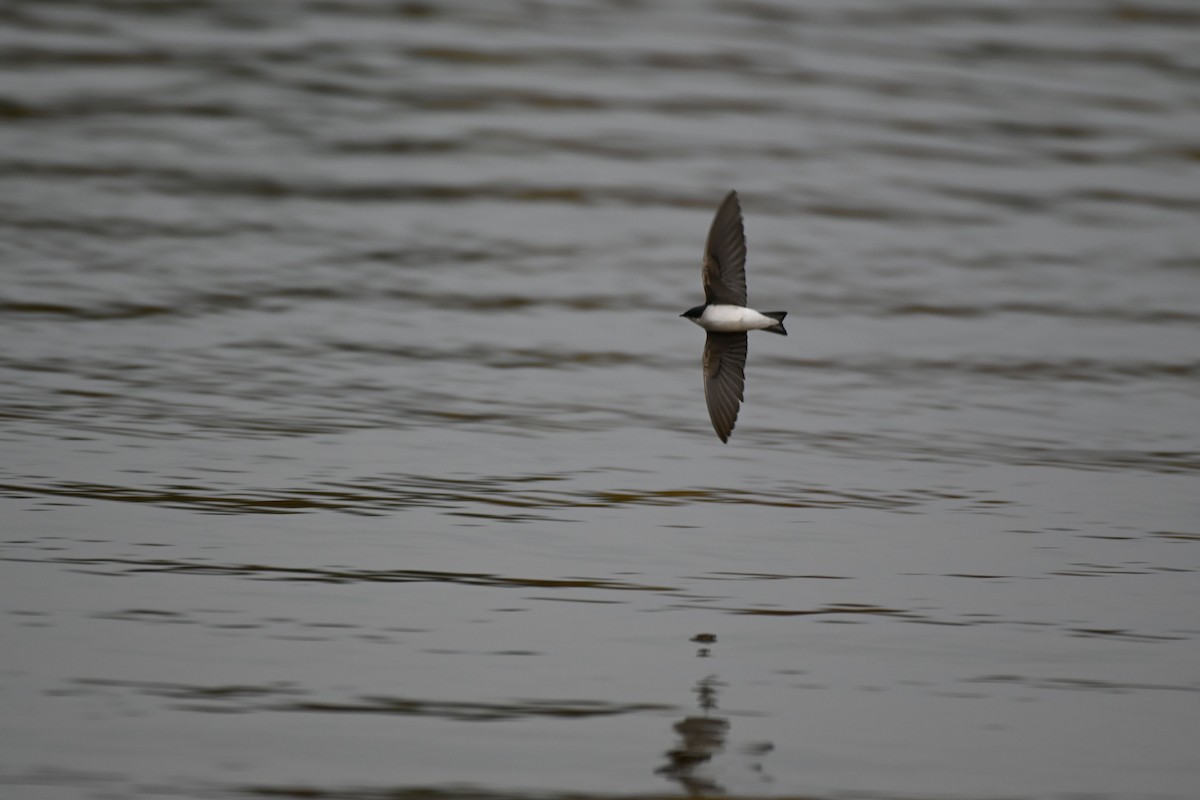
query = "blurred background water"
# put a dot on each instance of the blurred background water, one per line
(353, 446)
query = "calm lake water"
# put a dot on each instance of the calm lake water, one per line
(353, 447)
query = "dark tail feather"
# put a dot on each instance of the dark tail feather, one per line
(778, 317)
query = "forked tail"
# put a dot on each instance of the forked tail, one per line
(778, 326)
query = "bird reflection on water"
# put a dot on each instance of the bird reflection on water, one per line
(703, 736)
(700, 738)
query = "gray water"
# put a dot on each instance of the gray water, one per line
(352, 445)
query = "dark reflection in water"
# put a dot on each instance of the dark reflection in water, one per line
(700, 739)
(704, 736)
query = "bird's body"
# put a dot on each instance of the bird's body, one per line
(726, 317)
(720, 318)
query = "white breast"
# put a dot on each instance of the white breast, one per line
(732, 319)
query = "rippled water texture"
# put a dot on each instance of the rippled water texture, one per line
(353, 446)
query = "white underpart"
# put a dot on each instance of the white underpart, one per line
(733, 319)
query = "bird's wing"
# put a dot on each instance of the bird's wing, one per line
(725, 256)
(724, 379)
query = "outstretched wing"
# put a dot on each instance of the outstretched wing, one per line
(725, 256)
(724, 379)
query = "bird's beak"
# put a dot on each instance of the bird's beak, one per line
(684, 314)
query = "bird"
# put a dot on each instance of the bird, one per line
(725, 317)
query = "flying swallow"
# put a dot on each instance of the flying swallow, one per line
(725, 316)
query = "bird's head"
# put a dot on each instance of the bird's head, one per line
(694, 313)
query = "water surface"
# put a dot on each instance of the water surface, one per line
(353, 446)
